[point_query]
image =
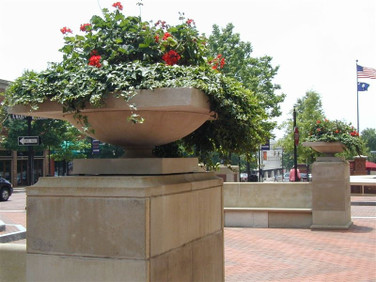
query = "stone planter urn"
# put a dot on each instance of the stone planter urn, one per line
(169, 114)
(326, 148)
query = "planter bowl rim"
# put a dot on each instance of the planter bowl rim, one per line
(170, 114)
(326, 147)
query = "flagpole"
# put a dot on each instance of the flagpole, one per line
(357, 98)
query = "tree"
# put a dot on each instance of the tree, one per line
(65, 141)
(369, 137)
(49, 130)
(308, 111)
(73, 146)
(256, 74)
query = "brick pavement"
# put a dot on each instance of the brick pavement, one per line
(268, 254)
(262, 254)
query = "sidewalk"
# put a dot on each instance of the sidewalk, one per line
(267, 254)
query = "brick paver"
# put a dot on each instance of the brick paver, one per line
(268, 254)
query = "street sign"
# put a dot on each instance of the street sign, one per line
(28, 140)
(95, 146)
(296, 136)
(266, 146)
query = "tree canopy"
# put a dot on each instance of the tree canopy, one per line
(256, 74)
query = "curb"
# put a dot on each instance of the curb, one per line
(2, 226)
(19, 189)
(14, 236)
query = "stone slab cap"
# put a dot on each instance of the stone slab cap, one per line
(122, 186)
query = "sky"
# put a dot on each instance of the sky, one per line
(315, 43)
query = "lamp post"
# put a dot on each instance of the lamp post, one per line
(296, 143)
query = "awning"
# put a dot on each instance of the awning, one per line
(370, 165)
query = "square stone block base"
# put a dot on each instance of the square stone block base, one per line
(126, 228)
(331, 202)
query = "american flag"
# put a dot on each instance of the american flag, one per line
(364, 72)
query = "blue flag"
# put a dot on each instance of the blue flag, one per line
(362, 86)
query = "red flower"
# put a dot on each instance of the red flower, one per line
(354, 133)
(222, 63)
(318, 129)
(94, 53)
(166, 35)
(65, 30)
(190, 21)
(317, 122)
(118, 6)
(171, 57)
(85, 27)
(337, 131)
(95, 61)
(156, 38)
(218, 62)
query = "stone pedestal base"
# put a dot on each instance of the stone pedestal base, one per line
(331, 202)
(126, 228)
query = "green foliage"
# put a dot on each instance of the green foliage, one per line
(73, 146)
(369, 137)
(118, 54)
(50, 132)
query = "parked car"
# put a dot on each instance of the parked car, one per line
(6, 189)
(304, 176)
(286, 177)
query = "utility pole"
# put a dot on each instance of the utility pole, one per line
(30, 159)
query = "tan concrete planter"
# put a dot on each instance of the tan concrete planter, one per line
(170, 114)
(328, 148)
